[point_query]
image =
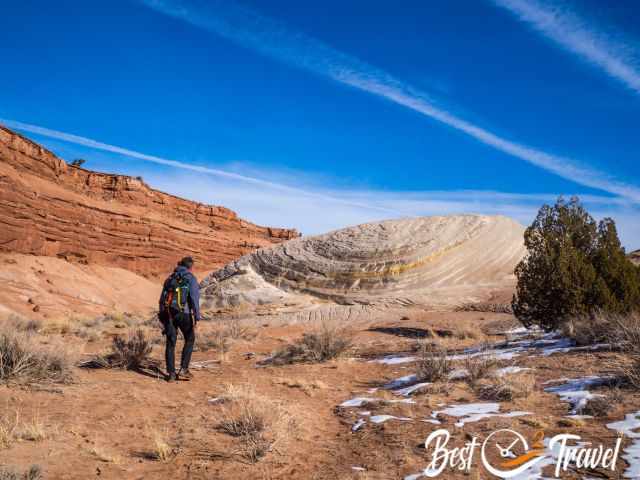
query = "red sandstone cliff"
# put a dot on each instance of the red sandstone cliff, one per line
(50, 208)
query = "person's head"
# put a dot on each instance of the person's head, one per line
(186, 262)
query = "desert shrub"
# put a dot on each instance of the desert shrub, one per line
(625, 335)
(326, 343)
(217, 340)
(33, 473)
(23, 324)
(258, 422)
(23, 360)
(597, 407)
(129, 354)
(223, 334)
(433, 363)
(574, 267)
(505, 388)
(589, 329)
(479, 367)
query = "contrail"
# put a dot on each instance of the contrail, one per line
(272, 38)
(618, 60)
(87, 142)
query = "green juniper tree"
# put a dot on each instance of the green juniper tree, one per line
(574, 267)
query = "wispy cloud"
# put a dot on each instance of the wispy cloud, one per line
(274, 39)
(619, 60)
(94, 144)
(281, 208)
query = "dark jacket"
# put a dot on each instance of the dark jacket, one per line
(193, 305)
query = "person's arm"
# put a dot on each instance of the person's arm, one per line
(194, 293)
(165, 285)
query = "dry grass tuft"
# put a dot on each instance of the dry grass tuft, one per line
(162, 450)
(479, 367)
(8, 430)
(22, 360)
(506, 388)
(222, 335)
(325, 343)
(33, 431)
(33, 473)
(257, 421)
(12, 429)
(433, 363)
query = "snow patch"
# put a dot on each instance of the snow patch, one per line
(358, 401)
(384, 418)
(575, 392)
(474, 412)
(395, 359)
(401, 382)
(631, 454)
(501, 372)
(358, 425)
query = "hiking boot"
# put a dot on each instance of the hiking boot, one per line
(172, 377)
(186, 374)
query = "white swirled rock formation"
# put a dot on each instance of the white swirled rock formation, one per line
(431, 261)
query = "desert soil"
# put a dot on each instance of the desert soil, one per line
(103, 425)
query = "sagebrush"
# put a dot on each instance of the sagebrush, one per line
(258, 422)
(22, 359)
(433, 363)
(325, 343)
(34, 472)
(130, 353)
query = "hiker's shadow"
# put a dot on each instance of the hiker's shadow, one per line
(150, 370)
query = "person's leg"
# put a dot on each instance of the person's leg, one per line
(186, 327)
(170, 349)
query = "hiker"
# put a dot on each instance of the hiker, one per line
(180, 309)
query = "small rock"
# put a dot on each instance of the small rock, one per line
(571, 422)
(534, 422)
(319, 384)
(36, 308)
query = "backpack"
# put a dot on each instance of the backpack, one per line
(176, 294)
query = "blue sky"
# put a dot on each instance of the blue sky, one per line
(319, 115)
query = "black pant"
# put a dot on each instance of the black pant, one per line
(183, 322)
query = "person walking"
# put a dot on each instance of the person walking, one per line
(180, 310)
